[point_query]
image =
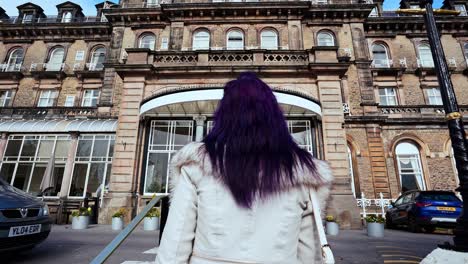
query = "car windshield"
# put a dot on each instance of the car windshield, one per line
(446, 197)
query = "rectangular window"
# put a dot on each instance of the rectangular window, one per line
(433, 96)
(26, 160)
(388, 96)
(164, 43)
(462, 9)
(79, 55)
(27, 18)
(92, 165)
(47, 98)
(5, 98)
(152, 3)
(70, 101)
(90, 98)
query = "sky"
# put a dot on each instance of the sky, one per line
(90, 10)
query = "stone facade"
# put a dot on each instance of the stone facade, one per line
(358, 75)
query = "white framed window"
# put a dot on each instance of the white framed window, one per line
(67, 17)
(92, 167)
(28, 18)
(164, 43)
(433, 96)
(152, 3)
(56, 59)
(90, 98)
(147, 41)
(269, 39)
(15, 60)
(465, 51)
(235, 40)
(461, 8)
(47, 98)
(201, 40)
(98, 57)
(388, 96)
(5, 97)
(425, 56)
(80, 55)
(27, 157)
(380, 55)
(409, 167)
(69, 101)
(325, 38)
(166, 137)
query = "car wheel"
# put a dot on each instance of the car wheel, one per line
(388, 222)
(429, 229)
(412, 225)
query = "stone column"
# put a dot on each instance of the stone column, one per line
(125, 163)
(199, 123)
(343, 205)
(3, 143)
(67, 173)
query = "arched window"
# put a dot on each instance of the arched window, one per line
(351, 171)
(56, 59)
(465, 51)
(15, 59)
(235, 40)
(67, 17)
(147, 41)
(325, 38)
(380, 56)
(425, 56)
(409, 167)
(98, 57)
(201, 40)
(269, 39)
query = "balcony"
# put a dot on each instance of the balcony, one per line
(425, 63)
(388, 66)
(11, 71)
(49, 112)
(57, 70)
(415, 112)
(90, 70)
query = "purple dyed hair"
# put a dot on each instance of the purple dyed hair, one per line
(250, 146)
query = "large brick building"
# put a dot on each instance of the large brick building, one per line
(114, 96)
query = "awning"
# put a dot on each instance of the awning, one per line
(58, 126)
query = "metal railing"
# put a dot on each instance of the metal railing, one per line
(51, 19)
(10, 67)
(376, 206)
(120, 238)
(48, 66)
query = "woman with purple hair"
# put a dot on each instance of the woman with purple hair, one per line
(242, 195)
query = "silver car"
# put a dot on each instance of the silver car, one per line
(24, 219)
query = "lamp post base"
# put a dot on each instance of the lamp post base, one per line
(440, 255)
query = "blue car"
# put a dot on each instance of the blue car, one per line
(424, 210)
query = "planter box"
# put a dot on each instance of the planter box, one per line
(151, 223)
(117, 223)
(80, 222)
(332, 228)
(375, 229)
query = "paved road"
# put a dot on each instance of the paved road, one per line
(67, 246)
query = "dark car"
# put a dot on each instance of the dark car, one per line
(424, 210)
(24, 219)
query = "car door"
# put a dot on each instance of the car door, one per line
(394, 210)
(402, 209)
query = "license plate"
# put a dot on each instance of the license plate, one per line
(24, 230)
(446, 209)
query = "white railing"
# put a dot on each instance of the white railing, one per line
(94, 66)
(47, 66)
(425, 63)
(10, 67)
(383, 63)
(373, 206)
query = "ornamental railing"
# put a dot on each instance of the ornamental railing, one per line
(48, 111)
(50, 20)
(11, 67)
(376, 206)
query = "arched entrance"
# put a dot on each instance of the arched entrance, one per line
(176, 119)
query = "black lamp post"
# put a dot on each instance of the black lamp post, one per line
(454, 121)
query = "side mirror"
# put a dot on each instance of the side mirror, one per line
(392, 203)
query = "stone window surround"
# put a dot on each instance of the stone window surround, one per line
(393, 84)
(92, 48)
(11, 47)
(232, 29)
(380, 42)
(55, 100)
(427, 86)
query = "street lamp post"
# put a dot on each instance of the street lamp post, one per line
(454, 121)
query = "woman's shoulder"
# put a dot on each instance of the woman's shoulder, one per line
(321, 176)
(193, 152)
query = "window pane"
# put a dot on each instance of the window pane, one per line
(156, 173)
(7, 171)
(45, 148)
(61, 148)
(38, 174)
(111, 148)
(84, 147)
(96, 175)
(78, 180)
(100, 148)
(29, 147)
(22, 176)
(13, 148)
(182, 133)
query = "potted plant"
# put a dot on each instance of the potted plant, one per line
(151, 222)
(375, 225)
(117, 219)
(332, 225)
(80, 218)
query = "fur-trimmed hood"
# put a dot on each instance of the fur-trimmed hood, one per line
(195, 153)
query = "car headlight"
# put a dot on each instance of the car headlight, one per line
(45, 210)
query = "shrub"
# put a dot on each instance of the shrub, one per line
(375, 219)
(154, 212)
(82, 211)
(330, 218)
(120, 213)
